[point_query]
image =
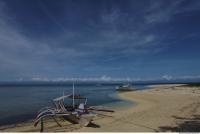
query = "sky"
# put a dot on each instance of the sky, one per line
(99, 39)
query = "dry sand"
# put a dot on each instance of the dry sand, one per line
(162, 108)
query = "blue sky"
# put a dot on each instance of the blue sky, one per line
(105, 39)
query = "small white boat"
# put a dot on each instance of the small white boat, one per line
(126, 87)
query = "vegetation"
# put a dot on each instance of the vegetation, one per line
(194, 85)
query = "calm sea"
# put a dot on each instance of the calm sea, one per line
(21, 103)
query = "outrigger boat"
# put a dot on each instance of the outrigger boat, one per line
(76, 112)
(126, 87)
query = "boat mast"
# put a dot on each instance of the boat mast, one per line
(73, 94)
(63, 96)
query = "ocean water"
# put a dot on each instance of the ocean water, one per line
(20, 103)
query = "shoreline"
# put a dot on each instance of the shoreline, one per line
(120, 104)
(117, 106)
(158, 109)
(167, 108)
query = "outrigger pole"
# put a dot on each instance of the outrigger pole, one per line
(73, 94)
(63, 95)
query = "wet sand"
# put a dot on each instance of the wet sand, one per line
(163, 108)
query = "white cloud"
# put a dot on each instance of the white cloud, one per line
(39, 79)
(167, 77)
(105, 78)
(184, 77)
(189, 77)
(22, 55)
(163, 11)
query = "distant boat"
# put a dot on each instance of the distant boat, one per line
(126, 87)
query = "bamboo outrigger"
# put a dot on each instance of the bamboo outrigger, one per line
(75, 112)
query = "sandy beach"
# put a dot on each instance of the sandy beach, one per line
(162, 108)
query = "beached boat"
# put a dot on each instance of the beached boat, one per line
(76, 112)
(126, 87)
